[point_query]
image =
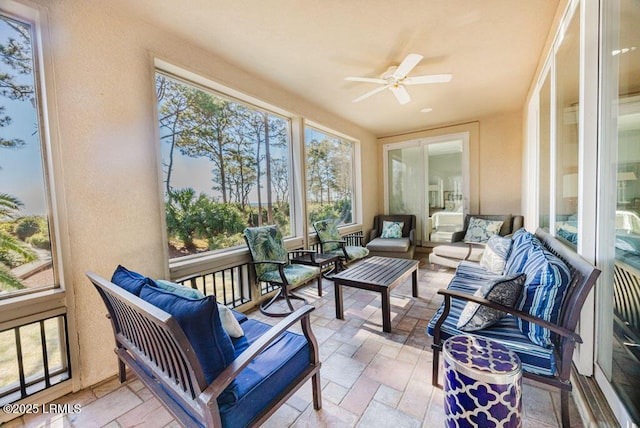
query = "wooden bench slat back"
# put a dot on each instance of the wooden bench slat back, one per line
(583, 278)
(153, 337)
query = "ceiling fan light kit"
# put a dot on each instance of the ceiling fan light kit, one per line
(396, 77)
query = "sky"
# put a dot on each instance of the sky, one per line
(21, 172)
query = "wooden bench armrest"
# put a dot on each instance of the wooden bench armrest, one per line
(448, 294)
(231, 372)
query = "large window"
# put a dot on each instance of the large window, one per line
(33, 343)
(26, 262)
(329, 168)
(226, 166)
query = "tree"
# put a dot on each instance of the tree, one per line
(15, 53)
(212, 119)
(12, 251)
(182, 216)
(172, 116)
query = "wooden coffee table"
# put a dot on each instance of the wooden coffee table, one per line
(381, 274)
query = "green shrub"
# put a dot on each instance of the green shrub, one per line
(28, 226)
(40, 240)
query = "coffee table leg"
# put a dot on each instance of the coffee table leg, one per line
(386, 310)
(414, 283)
(338, 293)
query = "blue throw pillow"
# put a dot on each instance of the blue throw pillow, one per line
(200, 321)
(522, 241)
(547, 281)
(392, 229)
(130, 281)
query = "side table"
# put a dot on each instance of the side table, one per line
(318, 260)
(482, 383)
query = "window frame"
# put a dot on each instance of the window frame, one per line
(48, 296)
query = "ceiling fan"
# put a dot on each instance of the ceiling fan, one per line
(395, 79)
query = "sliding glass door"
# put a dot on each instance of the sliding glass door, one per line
(426, 177)
(618, 297)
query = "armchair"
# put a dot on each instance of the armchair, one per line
(271, 264)
(332, 243)
(451, 254)
(401, 247)
(179, 351)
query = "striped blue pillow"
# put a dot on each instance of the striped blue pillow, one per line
(544, 289)
(522, 241)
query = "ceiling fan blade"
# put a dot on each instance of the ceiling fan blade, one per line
(407, 65)
(368, 94)
(366, 79)
(431, 78)
(401, 93)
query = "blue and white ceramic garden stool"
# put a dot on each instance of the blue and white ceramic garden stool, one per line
(482, 384)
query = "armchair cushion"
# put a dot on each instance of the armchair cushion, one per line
(353, 252)
(384, 244)
(504, 291)
(265, 243)
(201, 324)
(327, 230)
(294, 273)
(480, 229)
(392, 229)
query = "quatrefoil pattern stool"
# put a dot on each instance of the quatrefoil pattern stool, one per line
(482, 385)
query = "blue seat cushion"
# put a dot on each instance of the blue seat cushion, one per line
(239, 316)
(474, 270)
(535, 358)
(269, 374)
(129, 280)
(200, 321)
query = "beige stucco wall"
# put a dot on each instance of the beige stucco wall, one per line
(106, 153)
(501, 163)
(495, 161)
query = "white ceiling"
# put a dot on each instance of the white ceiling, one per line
(491, 47)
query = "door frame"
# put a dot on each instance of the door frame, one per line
(425, 142)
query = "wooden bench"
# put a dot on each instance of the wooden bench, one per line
(558, 359)
(153, 345)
